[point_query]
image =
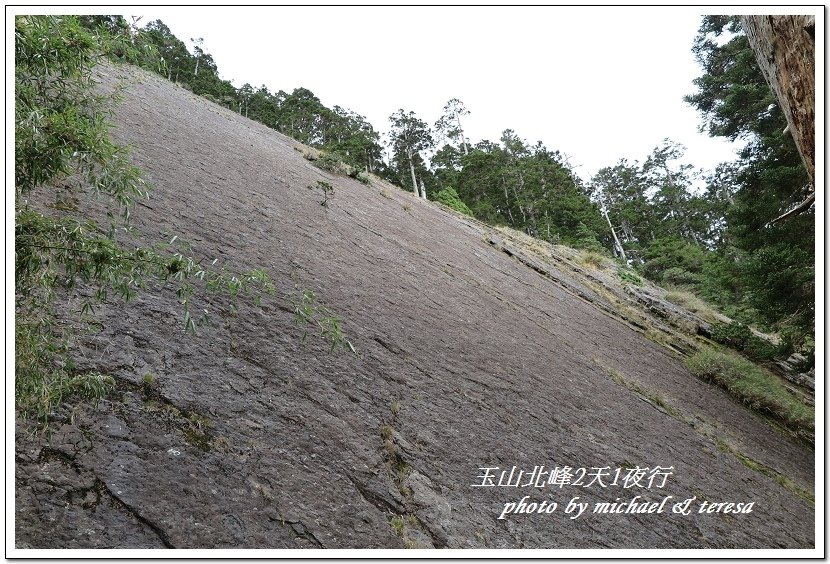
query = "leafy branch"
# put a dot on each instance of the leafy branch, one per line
(55, 253)
(308, 311)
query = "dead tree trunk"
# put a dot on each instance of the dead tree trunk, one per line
(620, 251)
(785, 49)
(412, 171)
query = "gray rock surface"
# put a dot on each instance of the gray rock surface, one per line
(469, 356)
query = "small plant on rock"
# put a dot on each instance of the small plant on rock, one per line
(328, 192)
(361, 176)
(331, 162)
(397, 523)
(307, 310)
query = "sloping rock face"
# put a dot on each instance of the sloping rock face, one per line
(469, 363)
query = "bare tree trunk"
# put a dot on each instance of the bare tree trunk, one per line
(547, 224)
(785, 49)
(516, 196)
(521, 209)
(463, 139)
(617, 244)
(507, 200)
(412, 171)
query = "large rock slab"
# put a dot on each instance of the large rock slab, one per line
(246, 436)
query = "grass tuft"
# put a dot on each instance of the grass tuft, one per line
(397, 524)
(591, 259)
(694, 304)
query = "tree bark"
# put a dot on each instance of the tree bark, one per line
(785, 49)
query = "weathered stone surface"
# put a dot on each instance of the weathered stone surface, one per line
(789, 369)
(471, 357)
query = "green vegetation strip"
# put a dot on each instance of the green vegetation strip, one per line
(754, 386)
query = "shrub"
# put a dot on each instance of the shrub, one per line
(795, 340)
(308, 311)
(397, 524)
(360, 176)
(41, 381)
(449, 197)
(673, 260)
(741, 338)
(328, 192)
(735, 335)
(592, 259)
(680, 277)
(332, 163)
(629, 277)
(337, 164)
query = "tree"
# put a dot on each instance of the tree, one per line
(773, 265)
(300, 115)
(244, 95)
(409, 136)
(261, 106)
(173, 52)
(354, 138)
(446, 163)
(672, 203)
(619, 250)
(449, 124)
(586, 239)
(621, 194)
(479, 183)
(529, 188)
(784, 48)
(665, 227)
(198, 52)
(512, 175)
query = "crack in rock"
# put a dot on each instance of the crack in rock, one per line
(121, 504)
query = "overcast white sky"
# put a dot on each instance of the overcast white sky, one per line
(597, 84)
